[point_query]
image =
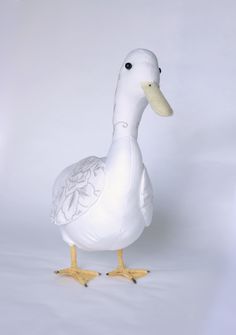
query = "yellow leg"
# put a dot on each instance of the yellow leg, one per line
(121, 270)
(82, 276)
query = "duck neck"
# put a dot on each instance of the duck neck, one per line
(124, 163)
(127, 116)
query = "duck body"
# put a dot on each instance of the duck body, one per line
(105, 203)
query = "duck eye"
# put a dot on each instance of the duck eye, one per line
(128, 66)
(159, 69)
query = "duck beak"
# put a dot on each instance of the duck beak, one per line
(156, 99)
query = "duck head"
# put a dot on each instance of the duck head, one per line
(139, 84)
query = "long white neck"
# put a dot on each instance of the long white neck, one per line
(124, 163)
(127, 115)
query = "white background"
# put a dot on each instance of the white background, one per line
(59, 65)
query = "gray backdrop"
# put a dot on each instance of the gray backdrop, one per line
(59, 66)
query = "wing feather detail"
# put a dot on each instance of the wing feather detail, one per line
(77, 189)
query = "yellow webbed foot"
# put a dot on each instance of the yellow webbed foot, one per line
(123, 271)
(131, 274)
(82, 276)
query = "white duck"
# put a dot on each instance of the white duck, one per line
(105, 203)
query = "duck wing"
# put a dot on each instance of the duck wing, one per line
(77, 189)
(146, 198)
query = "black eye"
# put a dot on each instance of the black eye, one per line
(128, 66)
(159, 69)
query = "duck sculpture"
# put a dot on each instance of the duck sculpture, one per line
(105, 203)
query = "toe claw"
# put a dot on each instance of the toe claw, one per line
(86, 285)
(107, 274)
(148, 271)
(99, 273)
(134, 281)
(56, 272)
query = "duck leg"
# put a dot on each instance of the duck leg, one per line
(121, 270)
(82, 276)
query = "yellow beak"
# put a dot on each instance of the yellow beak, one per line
(156, 99)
